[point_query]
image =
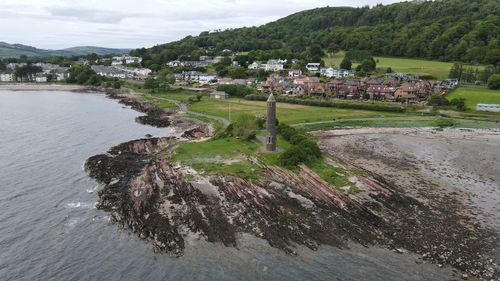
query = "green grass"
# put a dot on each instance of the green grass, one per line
(182, 96)
(228, 156)
(287, 113)
(473, 96)
(338, 177)
(219, 156)
(160, 103)
(437, 69)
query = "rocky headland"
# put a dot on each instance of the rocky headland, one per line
(167, 203)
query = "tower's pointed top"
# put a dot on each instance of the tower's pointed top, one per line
(271, 98)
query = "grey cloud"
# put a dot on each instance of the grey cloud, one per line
(92, 15)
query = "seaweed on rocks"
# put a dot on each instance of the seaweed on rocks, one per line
(149, 194)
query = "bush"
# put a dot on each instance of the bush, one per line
(375, 106)
(304, 149)
(443, 123)
(261, 121)
(246, 127)
(235, 90)
(459, 103)
(293, 157)
(494, 82)
(438, 100)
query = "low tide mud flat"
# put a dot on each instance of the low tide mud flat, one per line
(455, 171)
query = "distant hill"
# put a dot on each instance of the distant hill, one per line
(17, 50)
(449, 30)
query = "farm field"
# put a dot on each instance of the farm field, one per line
(473, 96)
(437, 69)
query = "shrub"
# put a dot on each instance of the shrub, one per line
(261, 121)
(297, 138)
(304, 149)
(245, 127)
(374, 106)
(494, 82)
(438, 100)
(443, 123)
(311, 147)
(459, 103)
(293, 156)
(235, 90)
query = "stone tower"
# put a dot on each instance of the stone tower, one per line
(271, 124)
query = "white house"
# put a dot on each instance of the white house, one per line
(294, 73)
(337, 73)
(61, 73)
(7, 77)
(274, 65)
(41, 79)
(254, 65)
(207, 78)
(126, 59)
(313, 66)
(134, 72)
(174, 63)
(219, 95)
(109, 71)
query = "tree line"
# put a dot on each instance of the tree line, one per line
(449, 30)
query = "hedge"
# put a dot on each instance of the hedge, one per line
(337, 104)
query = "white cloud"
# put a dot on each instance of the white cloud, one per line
(126, 23)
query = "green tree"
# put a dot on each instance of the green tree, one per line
(151, 84)
(494, 82)
(262, 75)
(238, 73)
(346, 64)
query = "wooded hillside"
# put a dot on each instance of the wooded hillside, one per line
(450, 30)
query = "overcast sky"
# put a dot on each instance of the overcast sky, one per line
(56, 24)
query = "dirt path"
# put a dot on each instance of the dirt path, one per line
(184, 109)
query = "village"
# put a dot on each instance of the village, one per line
(323, 82)
(312, 81)
(120, 67)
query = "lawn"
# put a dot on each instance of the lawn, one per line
(219, 156)
(437, 69)
(287, 113)
(474, 96)
(182, 96)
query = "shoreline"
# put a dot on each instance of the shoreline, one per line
(43, 87)
(165, 203)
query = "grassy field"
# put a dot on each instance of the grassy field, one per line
(473, 96)
(288, 113)
(438, 69)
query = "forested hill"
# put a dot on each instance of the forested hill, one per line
(459, 30)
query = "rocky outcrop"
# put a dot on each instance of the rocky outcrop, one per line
(146, 192)
(157, 117)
